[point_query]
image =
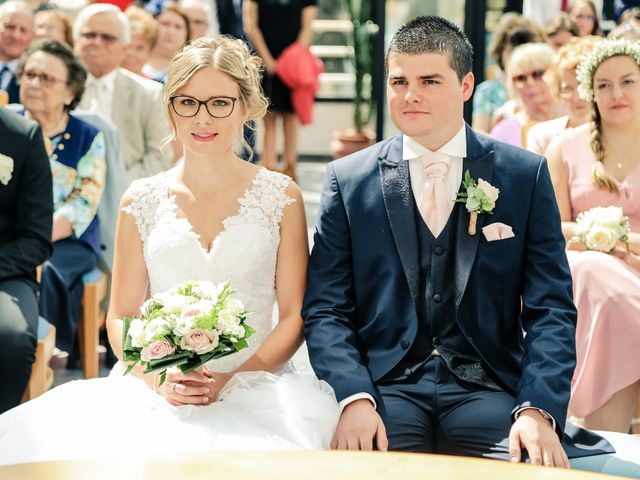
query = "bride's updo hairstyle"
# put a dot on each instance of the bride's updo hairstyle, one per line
(227, 55)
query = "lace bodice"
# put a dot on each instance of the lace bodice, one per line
(244, 252)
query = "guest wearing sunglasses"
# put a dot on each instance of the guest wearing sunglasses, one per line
(102, 34)
(51, 84)
(527, 85)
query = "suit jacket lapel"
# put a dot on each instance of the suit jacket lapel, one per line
(479, 162)
(121, 102)
(397, 194)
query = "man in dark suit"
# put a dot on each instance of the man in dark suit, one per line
(415, 319)
(26, 213)
(16, 32)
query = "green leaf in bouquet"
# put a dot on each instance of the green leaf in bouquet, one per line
(163, 377)
(166, 362)
(130, 367)
(240, 344)
(248, 330)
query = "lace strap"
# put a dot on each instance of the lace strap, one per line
(146, 194)
(267, 198)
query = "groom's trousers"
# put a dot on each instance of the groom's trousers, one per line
(432, 411)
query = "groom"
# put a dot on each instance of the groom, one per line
(415, 321)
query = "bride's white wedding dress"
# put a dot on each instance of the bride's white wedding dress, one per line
(120, 415)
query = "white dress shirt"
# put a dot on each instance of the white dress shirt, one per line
(98, 95)
(7, 75)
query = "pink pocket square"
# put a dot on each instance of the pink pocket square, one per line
(497, 231)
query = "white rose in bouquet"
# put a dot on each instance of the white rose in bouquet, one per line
(183, 326)
(173, 303)
(157, 328)
(136, 332)
(229, 323)
(601, 239)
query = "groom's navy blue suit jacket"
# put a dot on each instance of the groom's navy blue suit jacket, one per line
(360, 307)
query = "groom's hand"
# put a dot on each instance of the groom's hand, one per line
(535, 433)
(359, 425)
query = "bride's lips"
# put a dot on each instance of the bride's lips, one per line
(203, 136)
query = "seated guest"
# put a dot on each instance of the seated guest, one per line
(585, 15)
(527, 85)
(201, 21)
(560, 29)
(51, 85)
(626, 31)
(597, 165)
(144, 34)
(132, 103)
(173, 33)
(564, 85)
(51, 23)
(16, 31)
(512, 30)
(25, 231)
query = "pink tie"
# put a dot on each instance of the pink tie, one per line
(434, 205)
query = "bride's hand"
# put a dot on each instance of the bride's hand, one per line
(218, 381)
(193, 388)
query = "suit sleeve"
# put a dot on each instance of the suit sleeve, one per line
(329, 306)
(32, 243)
(156, 158)
(548, 315)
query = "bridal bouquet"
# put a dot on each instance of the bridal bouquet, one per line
(186, 327)
(601, 228)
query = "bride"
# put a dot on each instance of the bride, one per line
(214, 217)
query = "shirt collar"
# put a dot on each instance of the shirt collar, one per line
(107, 80)
(456, 147)
(12, 65)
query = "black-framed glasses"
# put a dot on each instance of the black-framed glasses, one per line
(44, 78)
(105, 37)
(535, 75)
(217, 107)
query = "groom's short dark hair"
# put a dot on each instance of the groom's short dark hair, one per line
(431, 34)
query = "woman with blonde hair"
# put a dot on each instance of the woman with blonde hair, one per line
(564, 85)
(529, 87)
(214, 217)
(596, 165)
(144, 34)
(511, 31)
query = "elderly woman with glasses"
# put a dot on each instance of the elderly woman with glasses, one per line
(564, 84)
(527, 85)
(51, 85)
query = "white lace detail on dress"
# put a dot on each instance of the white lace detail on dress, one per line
(244, 252)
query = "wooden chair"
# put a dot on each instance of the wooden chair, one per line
(91, 319)
(41, 374)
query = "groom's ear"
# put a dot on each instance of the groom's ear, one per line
(468, 82)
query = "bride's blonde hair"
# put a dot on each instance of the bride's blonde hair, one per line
(227, 55)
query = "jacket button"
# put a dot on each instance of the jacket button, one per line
(437, 298)
(438, 250)
(404, 344)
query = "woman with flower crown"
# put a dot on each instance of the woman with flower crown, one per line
(597, 165)
(214, 218)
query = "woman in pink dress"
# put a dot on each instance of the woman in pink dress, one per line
(594, 165)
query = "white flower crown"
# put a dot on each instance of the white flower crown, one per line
(602, 51)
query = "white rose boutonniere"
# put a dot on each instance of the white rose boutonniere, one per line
(478, 197)
(6, 169)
